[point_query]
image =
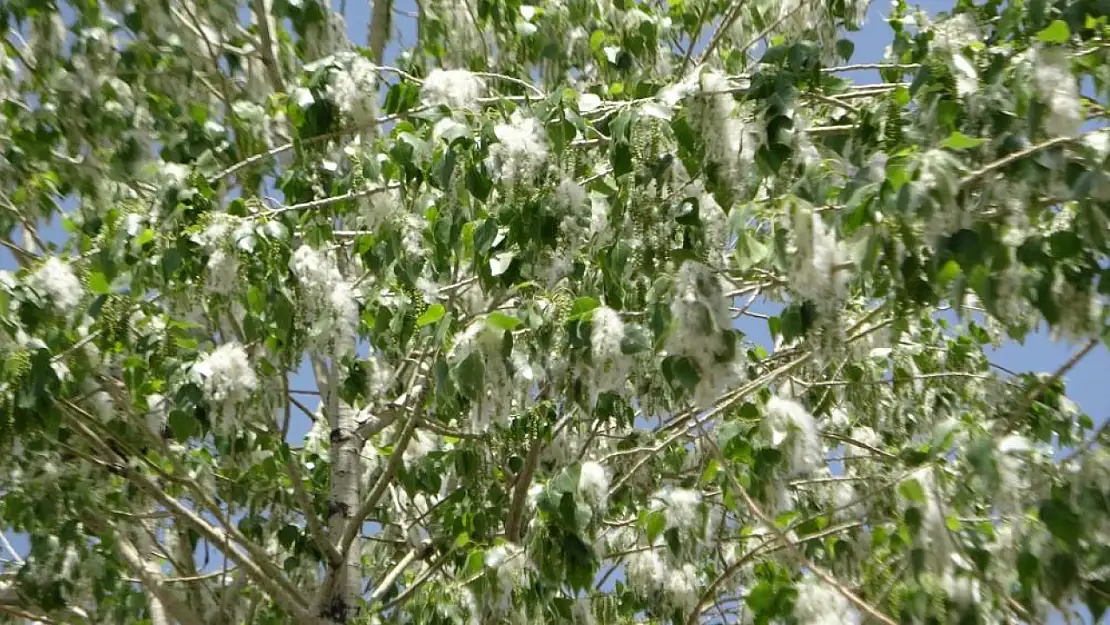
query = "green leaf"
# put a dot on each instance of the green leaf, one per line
(98, 283)
(656, 522)
(470, 375)
(500, 321)
(959, 141)
(1061, 520)
(434, 313)
(478, 182)
(146, 236)
(1056, 32)
(845, 48)
(474, 562)
(683, 371)
(182, 425)
(583, 305)
(912, 490)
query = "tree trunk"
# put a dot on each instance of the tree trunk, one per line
(342, 603)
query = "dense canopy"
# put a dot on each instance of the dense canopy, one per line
(512, 262)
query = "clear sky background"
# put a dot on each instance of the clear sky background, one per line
(1086, 382)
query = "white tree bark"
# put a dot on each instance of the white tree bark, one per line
(341, 604)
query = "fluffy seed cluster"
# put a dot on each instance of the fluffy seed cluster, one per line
(934, 532)
(496, 395)
(520, 152)
(455, 88)
(227, 379)
(329, 302)
(820, 272)
(55, 278)
(610, 365)
(511, 565)
(820, 604)
(1058, 90)
(352, 88)
(681, 508)
(722, 132)
(421, 445)
(221, 238)
(650, 576)
(593, 484)
(955, 33)
(646, 572)
(790, 427)
(700, 310)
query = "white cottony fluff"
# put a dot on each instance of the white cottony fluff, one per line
(820, 604)
(682, 508)
(713, 118)
(421, 445)
(226, 377)
(700, 310)
(223, 272)
(610, 365)
(520, 149)
(867, 436)
(352, 89)
(157, 414)
(495, 402)
(456, 88)
(56, 280)
(682, 587)
(955, 33)
(1058, 90)
(570, 195)
(593, 484)
(329, 301)
(646, 572)
(787, 423)
(820, 274)
(511, 565)
(934, 531)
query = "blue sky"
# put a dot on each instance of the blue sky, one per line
(1038, 353)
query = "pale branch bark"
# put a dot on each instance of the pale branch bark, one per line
(266, 26)
(8, 547)
(855, 443)
(255, 562)
(342, 502)
(719, 32)
(420, 580)
(335, 199)
(817, 571)
(350, 531)
(381, 16)
(726, 402)
(761, 549)
(520, 491)
(393, 574)
(1031, 397)
(315, 529)
(1013, 157)
(163, 601)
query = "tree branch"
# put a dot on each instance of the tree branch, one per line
(269, 55)
(520, 491)
(152, 578)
